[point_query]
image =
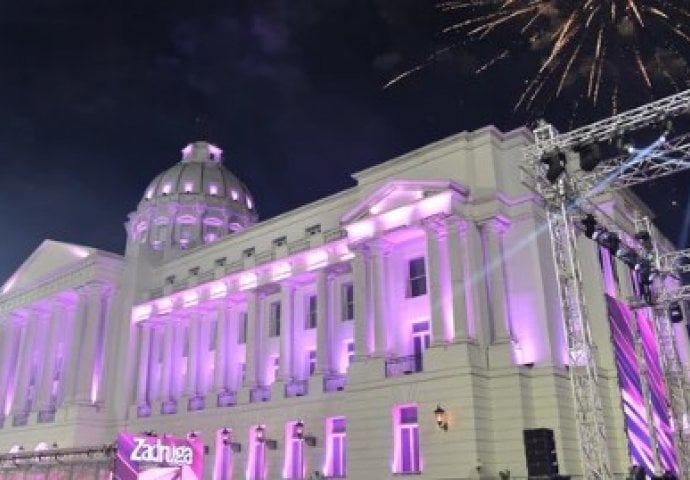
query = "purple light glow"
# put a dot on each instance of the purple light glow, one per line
(190, 298)
(188, 187)
(281, 271)
(317, 259)
(248, 280)
(213, 189)
(234, 195)
(256, 463)
(223, 465)
(250, 204)
(9, 284)
(166, 189)
(218, 290)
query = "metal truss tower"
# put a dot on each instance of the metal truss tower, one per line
(563, 199)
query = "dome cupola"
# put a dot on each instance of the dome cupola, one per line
(194, 202)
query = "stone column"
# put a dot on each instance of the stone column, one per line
(235, 317)
(440, 293)
(322, 309)
(8, 362)
(499, 312)
(361, 280)
(26, 359)
(178, 381)
(91, 326)
(143, 370)
(45, 391)
(220, 362)
(331, 345)
(167, 377)
(72, 343)
(193, 355)
(287, 331)
(460, 279)
(203, 378)
(154, 357)
(254, 345)
(380, 299)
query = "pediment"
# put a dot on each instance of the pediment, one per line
(50, 257)
(400, 193)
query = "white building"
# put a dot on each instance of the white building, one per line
(428, 284)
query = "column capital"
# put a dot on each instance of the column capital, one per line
(498, 224)
(435, 225)
(380, 247)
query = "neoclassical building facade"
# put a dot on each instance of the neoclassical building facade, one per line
(407, 325)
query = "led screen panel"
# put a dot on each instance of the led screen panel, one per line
(146, 457)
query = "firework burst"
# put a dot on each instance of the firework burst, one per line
(602, 48)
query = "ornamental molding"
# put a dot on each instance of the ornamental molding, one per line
(93, 268)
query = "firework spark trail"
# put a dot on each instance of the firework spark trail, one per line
(592, 44)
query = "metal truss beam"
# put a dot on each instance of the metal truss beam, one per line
(608, 128)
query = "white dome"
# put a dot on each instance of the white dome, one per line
(201, 172)
(196, 201)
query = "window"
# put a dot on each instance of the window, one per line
(276, 368)
(311, 362)
(348, 301)
(421, 340)
(274, 320)
(310, 321)
(294, 453)
(336, 448)
(243, 373)
(406, 434)
(242, 333)
(350, 352)
(417, 277)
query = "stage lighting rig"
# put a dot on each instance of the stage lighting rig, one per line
(555, 163)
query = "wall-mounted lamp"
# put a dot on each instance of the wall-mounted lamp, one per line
(261, 438)
(260, 434)
(298, 433)
(441, 419)
(192, 435)
(225, 437)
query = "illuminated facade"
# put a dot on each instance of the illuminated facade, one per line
(324, 339)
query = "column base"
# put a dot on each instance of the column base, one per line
(501, 354)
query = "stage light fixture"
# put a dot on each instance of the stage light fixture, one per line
(590, 225)
(609, 240)
(260, 434)
(590, 156)
(675, 313)
(628, 256)
(556, 165)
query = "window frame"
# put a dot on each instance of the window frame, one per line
(416, 282)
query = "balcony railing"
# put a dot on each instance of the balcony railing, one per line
(226, 399)
(259, 394)
(405, 365)
(296, 388)
(334, 383)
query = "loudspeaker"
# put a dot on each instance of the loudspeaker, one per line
(540, 453)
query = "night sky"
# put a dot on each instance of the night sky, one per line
(97, 97)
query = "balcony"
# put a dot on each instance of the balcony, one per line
(226, 399)
(46, 415)
(406, 365)
(334, 383)
(296, 388)
(259, 394)
(196, 403)
(20, 419)
(169, 407)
